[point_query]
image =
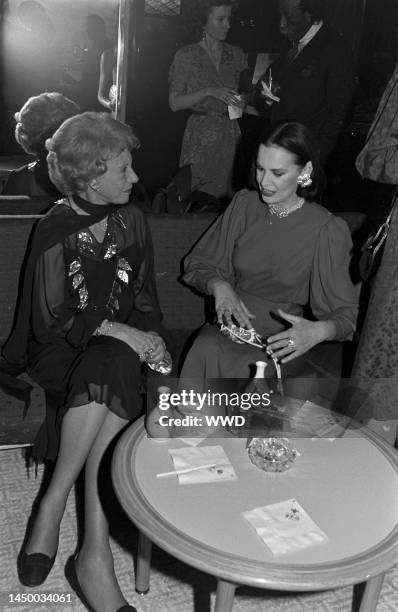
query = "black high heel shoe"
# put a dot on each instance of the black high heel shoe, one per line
(33, 569)
(71, 575)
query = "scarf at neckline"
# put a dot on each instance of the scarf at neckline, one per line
(94, 209)
(51, 230)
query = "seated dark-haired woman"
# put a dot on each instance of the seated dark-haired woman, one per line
(272, 253)
(37, 120)
(88, 316)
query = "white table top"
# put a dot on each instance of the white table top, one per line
(349, 487)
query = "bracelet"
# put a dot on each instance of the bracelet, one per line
(104, 328)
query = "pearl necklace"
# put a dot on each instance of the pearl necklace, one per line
(280, 211)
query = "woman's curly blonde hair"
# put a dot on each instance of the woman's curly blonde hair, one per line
(80, 148)
(39, 117)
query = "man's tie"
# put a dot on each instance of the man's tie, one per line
(293, 52)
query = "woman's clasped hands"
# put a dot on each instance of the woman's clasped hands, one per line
(148, 345)
(230, 97)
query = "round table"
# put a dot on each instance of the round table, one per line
(348, 486)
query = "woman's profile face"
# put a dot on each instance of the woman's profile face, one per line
(276, 175)
(218, 22)
(115, 184)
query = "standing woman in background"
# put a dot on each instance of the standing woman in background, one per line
(205, 77)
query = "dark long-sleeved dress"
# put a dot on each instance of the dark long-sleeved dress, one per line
(271, 263)
(78, 283)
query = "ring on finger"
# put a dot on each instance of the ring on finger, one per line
(290, 342)
(145, 354)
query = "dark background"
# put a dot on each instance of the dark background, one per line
(373, 34)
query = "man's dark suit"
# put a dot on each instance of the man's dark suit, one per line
(316, 87)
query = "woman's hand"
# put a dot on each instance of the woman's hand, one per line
(140, 341)
(111, 104)
(158, 353)
(299, 338)
(226, 95)
(228, 304)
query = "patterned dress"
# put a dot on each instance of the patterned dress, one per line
(374, 384)
(210, 137)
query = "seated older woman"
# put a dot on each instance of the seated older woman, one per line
(89, 310)
(37, 120)
(272, 253)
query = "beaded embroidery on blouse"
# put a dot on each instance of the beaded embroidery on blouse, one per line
(85, 245)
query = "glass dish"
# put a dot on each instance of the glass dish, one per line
(272, 454)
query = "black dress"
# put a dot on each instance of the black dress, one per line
(77, 283)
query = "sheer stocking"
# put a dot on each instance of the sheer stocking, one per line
(80, 428)
(95, 567)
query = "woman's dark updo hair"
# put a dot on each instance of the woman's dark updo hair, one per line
(298, 140)
(196, 14)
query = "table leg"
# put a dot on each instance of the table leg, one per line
(225, 596)
(371, 593)
(143, 564)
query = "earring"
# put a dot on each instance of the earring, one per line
(93, 185)
(304, 180)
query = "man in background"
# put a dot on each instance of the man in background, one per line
(313, 80)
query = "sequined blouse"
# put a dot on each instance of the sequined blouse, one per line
(81, 281)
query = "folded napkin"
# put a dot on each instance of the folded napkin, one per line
(319, 421)
(285, 527)
(204, 455)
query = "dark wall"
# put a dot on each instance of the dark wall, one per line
(379, 45)
(255, 29)
(159, 130)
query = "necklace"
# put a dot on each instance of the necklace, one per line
(76, 272)
(280, 211)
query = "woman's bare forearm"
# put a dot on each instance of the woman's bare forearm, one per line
(183, 101)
